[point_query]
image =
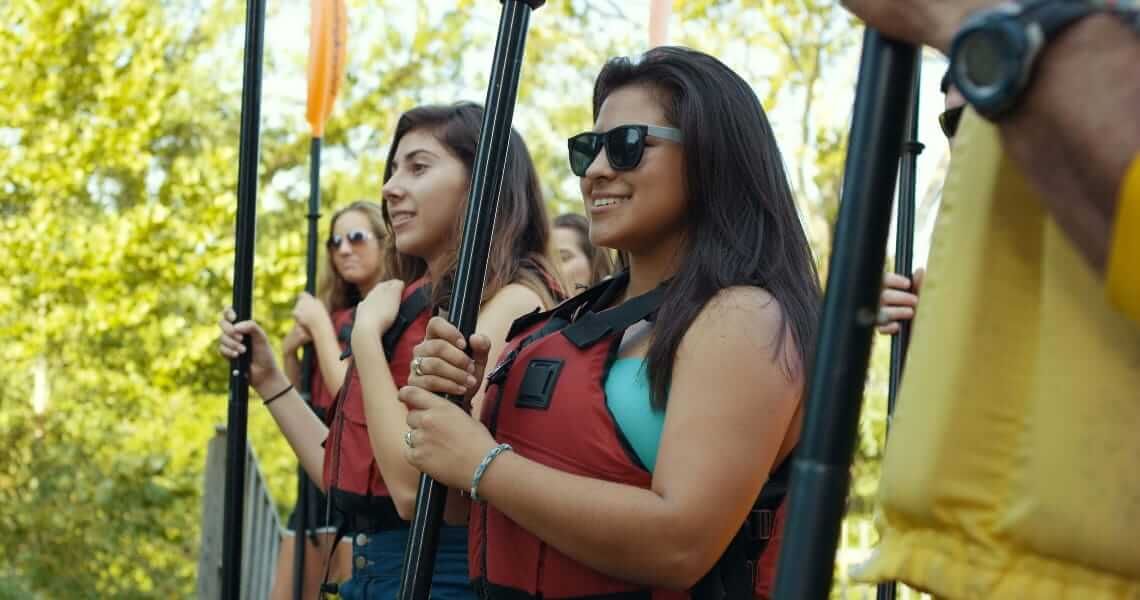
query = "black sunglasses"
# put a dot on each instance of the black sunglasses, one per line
(355, 238)
(624, 146)
(949, 119)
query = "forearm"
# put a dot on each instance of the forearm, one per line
(301, 428)
(386, 417)
(292, 367)
(623, 531)
(1077, 129)
(328, 359)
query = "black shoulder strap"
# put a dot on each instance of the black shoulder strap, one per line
(347, 339)
(410, 310)
(593, 326)
(567, 308)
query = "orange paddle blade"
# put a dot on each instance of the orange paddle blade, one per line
(327, 54)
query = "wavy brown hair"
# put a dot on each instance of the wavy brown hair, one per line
(520, 249)
(332, 289)
(601, 263)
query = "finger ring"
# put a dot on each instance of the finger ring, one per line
(408, 439)
(417, 366)
(882, 318)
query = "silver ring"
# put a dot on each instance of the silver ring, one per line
(417, 366)
(408, 439)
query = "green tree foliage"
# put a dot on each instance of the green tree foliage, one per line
(118, 165)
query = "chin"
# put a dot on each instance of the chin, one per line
(406, 244)
(605, 239)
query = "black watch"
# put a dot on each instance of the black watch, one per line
(994, 52)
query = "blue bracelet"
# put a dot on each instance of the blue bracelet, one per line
(482, 468)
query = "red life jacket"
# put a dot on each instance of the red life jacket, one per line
(547, 399)
(320, 398)
(350, 472)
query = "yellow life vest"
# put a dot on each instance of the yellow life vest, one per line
(1013, 465)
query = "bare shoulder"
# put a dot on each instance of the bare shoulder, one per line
(744, 321)
(740, 311)
(514, 299)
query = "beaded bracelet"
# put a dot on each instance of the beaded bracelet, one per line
(482, 468)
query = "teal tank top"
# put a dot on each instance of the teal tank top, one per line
(627, 397)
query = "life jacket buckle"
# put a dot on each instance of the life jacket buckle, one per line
(499, 374)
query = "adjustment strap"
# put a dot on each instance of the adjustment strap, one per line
(410, 310)
(568, 307)
(591, 326)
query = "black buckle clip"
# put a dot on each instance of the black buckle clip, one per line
(499, 373)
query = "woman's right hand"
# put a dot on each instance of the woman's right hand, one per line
(262, 365)
(899, 301)
(444, 366)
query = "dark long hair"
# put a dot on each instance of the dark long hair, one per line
(601, 263)
(743, 227)
(520, 250)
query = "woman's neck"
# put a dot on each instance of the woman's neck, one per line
(437, 267)
(648, 269)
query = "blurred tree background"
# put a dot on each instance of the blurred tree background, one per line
(118, 146)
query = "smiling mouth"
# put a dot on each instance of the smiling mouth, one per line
(609, 201)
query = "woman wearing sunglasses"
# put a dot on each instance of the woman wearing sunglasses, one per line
(425, 191)
(353, 266)
(634, 440)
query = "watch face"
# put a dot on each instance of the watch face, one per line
(986, 58)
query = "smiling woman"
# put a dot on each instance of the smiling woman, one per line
(426, 183)
(636, 439)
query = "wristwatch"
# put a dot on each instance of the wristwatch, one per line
(994, 52)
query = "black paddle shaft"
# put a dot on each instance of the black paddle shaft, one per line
(821, 471)
(904, 259)
(248, 151)
(467, 291)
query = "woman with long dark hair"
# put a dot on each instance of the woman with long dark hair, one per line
(635, 440)
(425, 190)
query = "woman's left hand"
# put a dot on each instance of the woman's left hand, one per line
(445, 442)
(378, 310)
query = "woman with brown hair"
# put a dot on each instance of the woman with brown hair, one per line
(583, 264)
(426, 182)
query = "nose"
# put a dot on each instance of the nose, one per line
(393, 190)
(600, 167)
(345, 247)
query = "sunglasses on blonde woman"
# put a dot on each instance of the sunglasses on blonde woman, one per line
(355, 238)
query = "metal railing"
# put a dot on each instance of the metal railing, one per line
(261, 527)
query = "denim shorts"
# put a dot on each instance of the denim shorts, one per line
(376, 561)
